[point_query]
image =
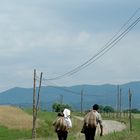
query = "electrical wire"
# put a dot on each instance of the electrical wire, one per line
(62, 88)
(107, 49)
(110, 44)
(77, 93)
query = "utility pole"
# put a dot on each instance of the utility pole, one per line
(34, 107)
(35, 103)
(38, 97)
(130, 115)
(61, 99)
(118, 92)
(82, 101)
(120, 103)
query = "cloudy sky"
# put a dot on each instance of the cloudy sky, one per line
(54, 37)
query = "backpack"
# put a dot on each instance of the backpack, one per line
(60, 124)
(90, 120)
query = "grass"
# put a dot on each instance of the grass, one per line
(14, 123)
(46, 130)
(125, 134)
(13, 134)
(13, 117)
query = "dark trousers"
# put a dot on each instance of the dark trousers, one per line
(62, 135)
(90, 133)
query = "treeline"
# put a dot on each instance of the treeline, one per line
(110, 109)
(58, 107)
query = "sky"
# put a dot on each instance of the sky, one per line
(54, 37)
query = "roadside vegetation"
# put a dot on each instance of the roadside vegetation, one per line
(45, 129)
(125, 134)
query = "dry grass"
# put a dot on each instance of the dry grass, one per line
(13, 117)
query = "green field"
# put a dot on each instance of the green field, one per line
(46, 131)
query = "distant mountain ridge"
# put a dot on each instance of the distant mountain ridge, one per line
(102, 94)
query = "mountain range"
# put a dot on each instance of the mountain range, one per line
(74, 96)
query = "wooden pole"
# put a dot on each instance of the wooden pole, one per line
(34, 107)
(120, 103)
(61, 99)
(82, 101)
(130, 115)
(38, 97)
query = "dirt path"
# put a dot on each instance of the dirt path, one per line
(109, 126)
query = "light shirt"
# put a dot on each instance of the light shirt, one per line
(98, 117)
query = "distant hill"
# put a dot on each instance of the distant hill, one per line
(102, 94)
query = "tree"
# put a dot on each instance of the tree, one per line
(133, 110)
(101, 107)
(57, 107)
(108, 109)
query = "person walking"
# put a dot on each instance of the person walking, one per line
(62, 124)
(91, 120)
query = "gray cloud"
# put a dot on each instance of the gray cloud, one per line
(56, 36)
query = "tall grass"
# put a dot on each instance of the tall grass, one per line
(13, 117)
(46, 130)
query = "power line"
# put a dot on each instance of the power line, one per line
(77, 93)
(107, 49)
(62, 88)
(110, 44)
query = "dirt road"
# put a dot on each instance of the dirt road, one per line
(109, 126)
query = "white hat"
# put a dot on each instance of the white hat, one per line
(66, 112)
